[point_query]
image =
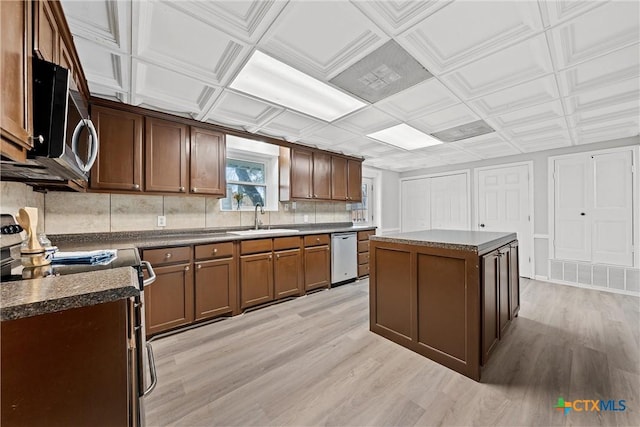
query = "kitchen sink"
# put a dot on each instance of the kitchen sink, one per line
(262, 231)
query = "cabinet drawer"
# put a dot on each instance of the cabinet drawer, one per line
(281, 243)
(167, 255)
(363, 258)
(363, 270)
(316, 240)
(255, 246)
(364, 235)
(363, 246)
(214, 250)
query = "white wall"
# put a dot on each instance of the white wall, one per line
(540, 187)
(387, 199)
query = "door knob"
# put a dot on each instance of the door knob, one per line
(582, 214)
(482, 225)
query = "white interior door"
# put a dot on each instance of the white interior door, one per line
(572, 234)
(415, 212)
(503, 205)
(449, 202)
(612, 212)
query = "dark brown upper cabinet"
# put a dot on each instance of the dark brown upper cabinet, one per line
(354, 180)
(321, 176)
(301, 174)
(166, 152)
(207, 158)
(119, 162)
(346, 179)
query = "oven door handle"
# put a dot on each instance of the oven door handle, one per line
(152, 274)
(152, 371)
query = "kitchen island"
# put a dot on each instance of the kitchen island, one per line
(448, 295)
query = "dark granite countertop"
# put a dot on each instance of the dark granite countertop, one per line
(465, 240)
(32, 297)
(162, 238)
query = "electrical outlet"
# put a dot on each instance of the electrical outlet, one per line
(286, 207)
(293, 205)
(162, 221)
(306, 218)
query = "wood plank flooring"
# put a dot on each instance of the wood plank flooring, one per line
(313, 361)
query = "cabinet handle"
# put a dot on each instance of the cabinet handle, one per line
(194, 190)
(39, 139)
(181, 189)
(199, 266)
(277, 256)
(317, 239)
(327, 248)
(308, 196)
(136, 186)
(269, 257)
(186, 268)
(167, 255)
(215, 250)
(315, 195)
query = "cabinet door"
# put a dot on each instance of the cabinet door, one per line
(208, 153)
(256, 279)
(169, 300)
(287, 273)
(46, 36)
(514, 279)
(165, 156)
(489, 263)
(119, 162)
(338, 178)
(301, 173)
(321, 176)
(15, 75)
(504, 280)
(317, 267)
(215, 288)
(354, 180)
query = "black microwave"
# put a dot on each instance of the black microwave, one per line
(66, 142)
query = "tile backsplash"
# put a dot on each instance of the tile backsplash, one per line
(15, 195)
(67, 213)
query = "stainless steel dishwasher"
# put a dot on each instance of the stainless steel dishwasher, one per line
(344, 257)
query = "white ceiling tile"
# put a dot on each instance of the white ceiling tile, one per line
(104, 67)
(396, 16)
(291, 125)
(444, 119)
(238, 109)
(530, 115)
(627, 90)
(617, 66)
(534, 92)
(366, 121)
(586, 36)
(607, 130)
(544, 142)
(104, 22)
(321, 38)
(508, 67)
(246, 20)
(419, 100)
(329, 136)
(540, 136)
(608, 113)
(465, 30)
(171, 91)
(488, 146)
(202, 52)
(556, 11)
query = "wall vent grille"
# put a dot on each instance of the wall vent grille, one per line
(597, 275)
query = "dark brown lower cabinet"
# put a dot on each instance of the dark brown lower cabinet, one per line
(288, 273)
(256, 279)
(317, 267)
(490, 334)
(169, 300)
(215, 288)
(514, 275)
(68, 368)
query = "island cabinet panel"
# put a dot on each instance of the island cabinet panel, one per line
(288, 274)
(68, 368)
(166, 156)
(207, 154)
(256, 279)
(514, 276)
(442, 305)
(215, 288)
(119, 162)
(392, 296)
(445, 294)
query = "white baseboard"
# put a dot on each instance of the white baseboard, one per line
(543, 278)
(593, 288)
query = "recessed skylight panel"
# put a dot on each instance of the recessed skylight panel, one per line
(277, 82)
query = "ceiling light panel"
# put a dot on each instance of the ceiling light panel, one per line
(404, 136)
(272, 80)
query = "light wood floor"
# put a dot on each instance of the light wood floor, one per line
(313, 361)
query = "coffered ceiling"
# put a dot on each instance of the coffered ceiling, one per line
(544, 74)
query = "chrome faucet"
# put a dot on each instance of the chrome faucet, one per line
(256, 220)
